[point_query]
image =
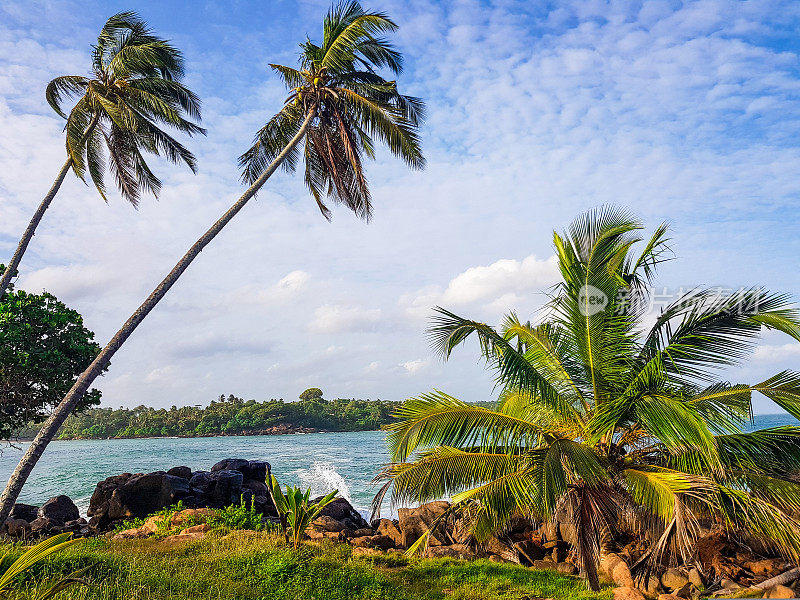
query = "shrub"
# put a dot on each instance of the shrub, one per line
(239, 516)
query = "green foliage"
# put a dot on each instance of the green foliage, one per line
(311, 393)
(12, 569)
(44, 346)
(228, 416)
(129, 524)
(134, 87)
(339, 87)
(239, 516)
(600, 420)
(259, 566)
(295, 511)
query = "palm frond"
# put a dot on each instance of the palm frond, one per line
(436, 418)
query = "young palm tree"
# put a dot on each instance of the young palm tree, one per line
(135, 87)
(345, 104)
(602, 421)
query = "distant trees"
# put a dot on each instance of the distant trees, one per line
(43, 348)
(229, 416)
(311, 393)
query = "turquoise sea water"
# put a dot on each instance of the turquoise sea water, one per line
(322, 461)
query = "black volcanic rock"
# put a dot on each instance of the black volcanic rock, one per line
(184, 472)
(250, 469)
(59, 510)
(26, 512)
(341, 510)
(128, 496)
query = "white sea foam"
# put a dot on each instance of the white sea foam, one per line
(323, 478)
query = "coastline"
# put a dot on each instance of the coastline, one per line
(292, 430)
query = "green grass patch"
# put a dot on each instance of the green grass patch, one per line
(251, 565)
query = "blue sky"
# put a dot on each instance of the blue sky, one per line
(681, 111)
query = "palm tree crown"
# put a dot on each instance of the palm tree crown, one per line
(350, 105)
(134, 88)
(603, 424)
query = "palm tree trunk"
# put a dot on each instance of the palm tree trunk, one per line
(68, 403)
(31, 229)
(37, 217)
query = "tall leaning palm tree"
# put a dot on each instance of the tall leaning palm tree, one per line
(602, 422)
(133, 90)
(338, 105)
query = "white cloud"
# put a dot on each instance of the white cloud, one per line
(497, 287)
(783, 352)
(72, 281)
(412, 367)
(332, 318)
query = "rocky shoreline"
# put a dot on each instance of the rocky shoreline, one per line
(722, 566)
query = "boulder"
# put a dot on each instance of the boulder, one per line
(131, 534)
(230, 464)
(349, 533)
(265, 506)
(627, 593)
(373, 541)
(414, 522)
(326, 523)
(388, 528)
(60, 510)
(202, 528)
(616, 570)
(259, 488)
(182, 472)
(496, 547)
(250, 469)
(364, 551)
(43, 526)
(696, 578)
(16, 527)
(674, 579)
(341, 510)
(219, 488)
(779, 591)
(134, 496)
(729, 585)
(196, 515)
(183, 537)
(26, 512)
(768, 567)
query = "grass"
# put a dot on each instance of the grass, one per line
(258, 566)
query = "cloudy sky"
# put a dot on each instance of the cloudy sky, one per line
(682, 111)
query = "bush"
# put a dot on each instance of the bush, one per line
(240, 516)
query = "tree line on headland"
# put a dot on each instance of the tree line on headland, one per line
(228, 416)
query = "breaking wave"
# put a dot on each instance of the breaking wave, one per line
(323, 478)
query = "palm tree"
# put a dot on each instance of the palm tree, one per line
(601, 421)
(345, 104)
(135, 87)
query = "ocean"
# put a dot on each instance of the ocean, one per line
(322, 461)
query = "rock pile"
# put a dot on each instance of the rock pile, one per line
(130, 496)
(57, 515)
